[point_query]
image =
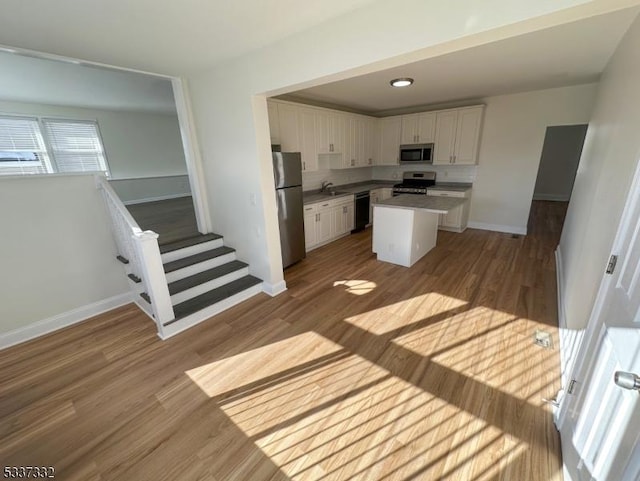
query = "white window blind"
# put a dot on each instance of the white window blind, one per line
(75, 145)
(22, 148)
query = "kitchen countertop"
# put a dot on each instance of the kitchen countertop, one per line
(454, 186)
(313, 196)
(437, 205)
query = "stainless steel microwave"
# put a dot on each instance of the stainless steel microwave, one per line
(416, 154)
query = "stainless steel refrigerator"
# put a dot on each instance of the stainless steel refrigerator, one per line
(287, 171)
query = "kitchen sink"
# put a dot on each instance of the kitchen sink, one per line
(333, 193)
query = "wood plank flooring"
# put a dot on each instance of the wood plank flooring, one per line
(361, 371)
(172, 219)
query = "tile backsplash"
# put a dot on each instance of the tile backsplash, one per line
(444, 173)
(313, 180)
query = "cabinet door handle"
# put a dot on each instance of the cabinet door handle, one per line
(304, 166)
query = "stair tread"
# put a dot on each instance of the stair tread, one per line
(218, 294)
(196, 258)
(188, 242)
(205, 276)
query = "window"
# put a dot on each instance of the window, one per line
(75, 145)
(40, 146)
(22, 148)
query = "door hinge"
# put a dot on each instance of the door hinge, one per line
(571, 387)
(611, 266)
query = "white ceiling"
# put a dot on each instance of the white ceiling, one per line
(569, 54)
(183, 36)
(37, 80)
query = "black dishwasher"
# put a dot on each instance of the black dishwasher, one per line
(361, 211)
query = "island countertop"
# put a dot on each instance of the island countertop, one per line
(437, 205)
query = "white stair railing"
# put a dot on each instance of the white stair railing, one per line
(140, 248)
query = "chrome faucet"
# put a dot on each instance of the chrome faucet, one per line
(325, 186)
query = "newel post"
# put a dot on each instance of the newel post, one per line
(154, 278)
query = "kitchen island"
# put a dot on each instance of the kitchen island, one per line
(405, 227)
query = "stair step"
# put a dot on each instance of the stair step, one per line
(197, 258)
(188, 242)
(122, 259)
(213, 296)
(205, 276)
(146, 297)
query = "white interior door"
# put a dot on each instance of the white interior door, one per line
(601, 429)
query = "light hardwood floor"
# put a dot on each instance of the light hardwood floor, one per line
(361, 370)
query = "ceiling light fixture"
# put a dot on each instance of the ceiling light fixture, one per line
(401, 82)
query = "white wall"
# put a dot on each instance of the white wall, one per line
(139, 145)
(232, 124)
(510, 148)
(58, 254)
(611, 152)
(559, 162)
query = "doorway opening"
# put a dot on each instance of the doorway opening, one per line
(559, 161)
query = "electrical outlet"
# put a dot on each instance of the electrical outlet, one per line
(543, 339)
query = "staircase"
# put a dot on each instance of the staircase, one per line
(180, 284)
(204, 278)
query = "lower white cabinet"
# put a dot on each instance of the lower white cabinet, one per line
(327, 220)
(456, 220)
(377, 195)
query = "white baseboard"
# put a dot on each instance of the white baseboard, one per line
(156, 199)
(509, 229)
(45, 326)
(552, 197)
(274, 289)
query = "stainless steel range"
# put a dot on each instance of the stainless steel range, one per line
(415, 183)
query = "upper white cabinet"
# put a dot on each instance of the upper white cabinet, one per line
(457, 136)
(418, 128)
(289, 127)
(298, 133)
(307, 135)
(330, 130)
(344, 140)
(274, 122)
(389, 140)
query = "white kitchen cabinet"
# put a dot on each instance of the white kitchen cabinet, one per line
(330, 130)
(389, 140)
(289, 127)
(310, 219)
(375, 196)
(307, 136)
(456, 219)
(274, 122)
(327, 220)
(418, 128)
(342, 219)
(457, 136)
(369, 141)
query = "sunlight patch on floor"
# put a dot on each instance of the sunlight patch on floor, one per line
(271, 360)
(356, 287)
(481, 345)
(431, 306)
